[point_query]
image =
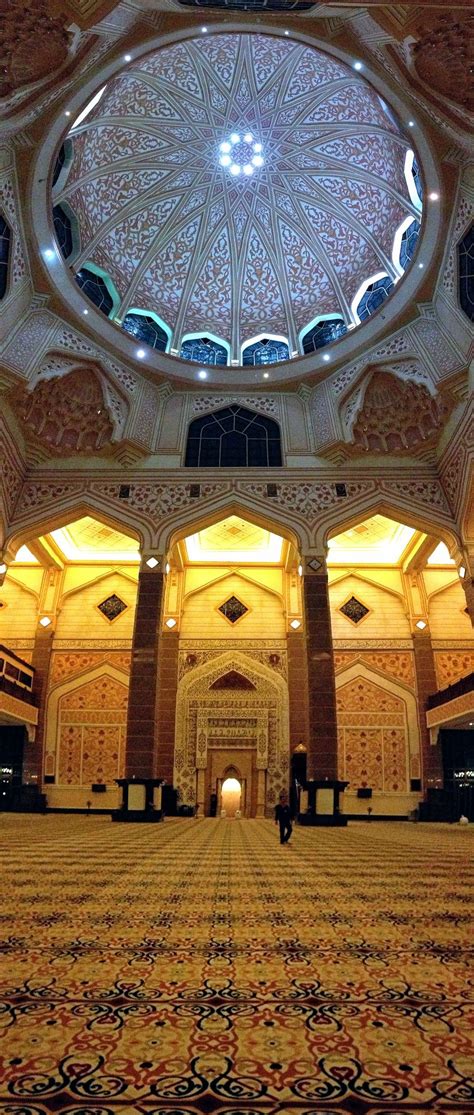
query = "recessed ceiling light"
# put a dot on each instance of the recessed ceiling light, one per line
(225, 147)
(357, 65)
(202, 374)
(420, 265)
(67, 113)
(141, 353)
(49, 254)
(248, 137)
(248, 168)
(287, 32)
(235, 169)
(433, 196)
(203, 29)
(326, 356)
(258, 160)
(235, 138)
(411, 123)
(225, 160)
(127, 57)
(266, 375)
(257, 148)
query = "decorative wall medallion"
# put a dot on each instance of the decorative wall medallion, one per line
(354, 610)
(233, 609)
(112, 607)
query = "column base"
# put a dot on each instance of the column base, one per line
(137, 816)
(326, 820)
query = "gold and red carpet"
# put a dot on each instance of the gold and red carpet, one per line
(198, 967)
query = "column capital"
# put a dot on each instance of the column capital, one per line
(314, 565)
(152, 562)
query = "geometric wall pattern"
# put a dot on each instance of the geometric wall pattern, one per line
(372, 737)
(91, 729)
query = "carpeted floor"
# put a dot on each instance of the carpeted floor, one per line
(197, 966)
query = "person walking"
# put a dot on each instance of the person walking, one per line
(283, 818)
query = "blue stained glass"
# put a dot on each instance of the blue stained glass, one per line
(408, 244)
(63, 230)
(5, 239)
(375, 294)
(466, 272)
(144, 328)
(417, 179)
(323, 334)
(203, 351)
(265, 352)
(95, 289)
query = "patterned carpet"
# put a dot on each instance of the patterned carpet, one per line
(197, 966)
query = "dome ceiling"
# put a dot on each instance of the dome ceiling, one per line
(238, 254)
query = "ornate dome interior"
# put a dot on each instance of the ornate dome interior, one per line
(238, 188)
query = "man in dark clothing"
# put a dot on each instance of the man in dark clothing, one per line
(283, 818)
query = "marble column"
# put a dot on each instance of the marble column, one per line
(426, 684)
(41, 661)
(322, 724)
(297, 688)
(142, 699)
(165, 716)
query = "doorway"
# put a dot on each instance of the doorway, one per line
(231, 796)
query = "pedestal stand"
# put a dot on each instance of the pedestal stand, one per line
(141, 800)
(319, 803)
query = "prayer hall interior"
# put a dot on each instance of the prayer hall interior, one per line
(236, 557)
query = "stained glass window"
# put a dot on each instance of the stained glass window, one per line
(324, 333)
(408, 244)
(63, 230)
(417, 179)
(266, 351)
(466, 272)
(5, 240)
(144, 328)
(94, 287)
(375, 294)
(233, 437)
(204, 351)
(233, 609)
(112, 607)
(354, 610)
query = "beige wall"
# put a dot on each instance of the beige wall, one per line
(387, 611)
(201, 617)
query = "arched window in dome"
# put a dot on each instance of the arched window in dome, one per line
(376, 291)
(204, 350)
(233, 437)
(404, 243)
(413, 180)
(466, 272)
(98, 288)
(62, 164)
(265, 350)
(323, 332)
(147, 328)
(66, 229)
(5, 245)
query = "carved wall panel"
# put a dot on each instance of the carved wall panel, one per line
(452, 665)
(33, 44)
(374, 730)
(397, 416)
(86, 726)
(67, 414)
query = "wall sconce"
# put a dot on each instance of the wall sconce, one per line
(3, 568)
(462, 571)
(45, 621)
(421, 624)
(167, 568)
(300, 570)
(152, 562)
(295, 623)
(170, 622)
